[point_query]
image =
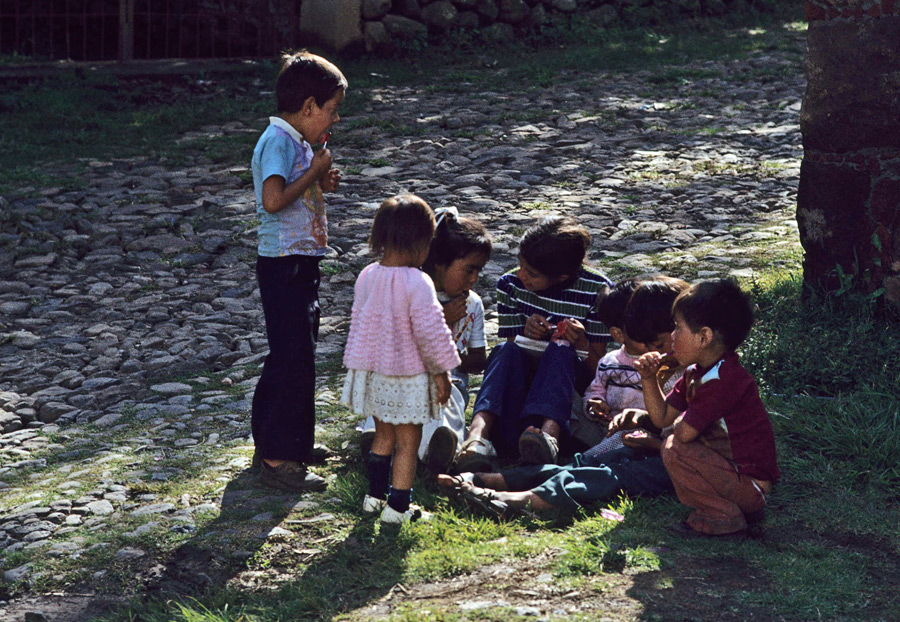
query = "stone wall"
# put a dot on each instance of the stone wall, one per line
(848, 206)
(384, 22)
(384, 25)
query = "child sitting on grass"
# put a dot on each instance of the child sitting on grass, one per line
(645, 308)
(525, 400)
(721, 454)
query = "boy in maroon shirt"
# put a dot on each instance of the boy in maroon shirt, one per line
(721, 455)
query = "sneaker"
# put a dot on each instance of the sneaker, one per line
(365, 443)
(413, 514)
(373, 504)
(538, 448)
(441, 450)
(290, 476)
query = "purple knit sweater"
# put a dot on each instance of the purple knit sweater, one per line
(397, 326)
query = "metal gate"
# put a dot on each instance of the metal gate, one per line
(88, 30)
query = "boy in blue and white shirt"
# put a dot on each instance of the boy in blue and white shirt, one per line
(289, 179)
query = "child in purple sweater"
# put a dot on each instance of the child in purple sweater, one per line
(399, 352)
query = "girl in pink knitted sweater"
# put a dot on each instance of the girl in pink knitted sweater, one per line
(399, 352)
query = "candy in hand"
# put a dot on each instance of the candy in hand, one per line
(668, 361)
(562, 328)
(325, 138)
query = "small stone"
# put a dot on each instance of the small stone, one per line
(14, 308)
(171, 388)
(17, 574)
(100, 508)
(128, 553)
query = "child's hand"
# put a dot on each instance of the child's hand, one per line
(641, 439)
(622, 421)
(442, 382)
(648, 365)
(320, 163)
(597, 410)
(575, 334)
(330, 181)
(455, 309)
(537, 327)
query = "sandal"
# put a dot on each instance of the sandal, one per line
(538, 448)
(475, 455)
(485, 500)
(455, 489)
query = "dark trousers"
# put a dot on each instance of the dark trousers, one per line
(521, 389)
(283, 417)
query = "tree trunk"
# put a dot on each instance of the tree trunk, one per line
(848, 204)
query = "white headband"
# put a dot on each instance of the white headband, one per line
(443, 211)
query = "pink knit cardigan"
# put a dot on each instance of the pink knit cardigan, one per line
(397, 325)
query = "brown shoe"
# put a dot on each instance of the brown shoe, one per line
(320, 454)
(683, 530)
(290, 476)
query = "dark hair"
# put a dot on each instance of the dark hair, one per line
(403, 222)
(612, 302)
(304, 75)
(555, 246)
(719, 304)
(649, 310)
(455, 238)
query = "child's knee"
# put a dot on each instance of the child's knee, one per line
(669, 449)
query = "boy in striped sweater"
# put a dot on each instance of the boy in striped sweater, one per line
(554, 339)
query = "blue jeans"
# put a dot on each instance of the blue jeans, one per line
(584, 482)
(520, 393)
(283, 415)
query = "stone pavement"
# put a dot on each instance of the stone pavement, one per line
(133, 299)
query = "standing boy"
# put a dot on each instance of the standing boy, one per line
(721, 454)
(288, 179)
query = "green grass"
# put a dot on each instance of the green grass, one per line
(833, 531)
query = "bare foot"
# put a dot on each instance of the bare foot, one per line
(494, 481)
(521, 499)
(551, 427)
(451, 481)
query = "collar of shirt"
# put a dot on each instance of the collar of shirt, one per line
(287, 127)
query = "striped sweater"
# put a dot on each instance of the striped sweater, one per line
(515, 304)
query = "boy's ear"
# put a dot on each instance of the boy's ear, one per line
(617, 334)
(308, 104)
(707, 336)
(562, 278)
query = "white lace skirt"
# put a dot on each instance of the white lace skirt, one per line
(391, 399)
